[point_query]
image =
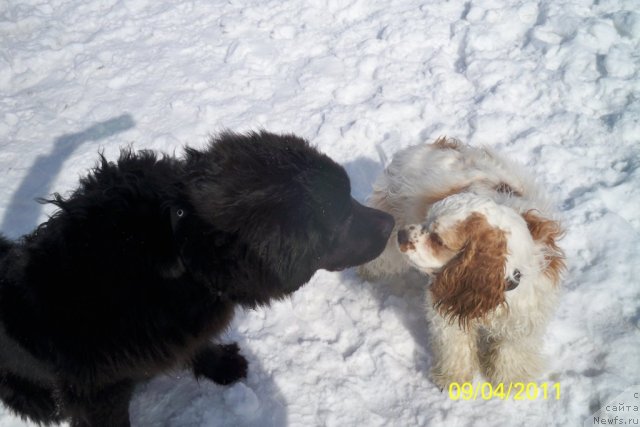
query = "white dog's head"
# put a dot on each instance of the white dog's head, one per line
(476, 250)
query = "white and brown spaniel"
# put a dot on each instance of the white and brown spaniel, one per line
(484, 234)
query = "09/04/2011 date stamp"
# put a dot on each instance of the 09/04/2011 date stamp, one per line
(515, 391)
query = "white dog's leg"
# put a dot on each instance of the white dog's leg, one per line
(509, 360)
(454, 350)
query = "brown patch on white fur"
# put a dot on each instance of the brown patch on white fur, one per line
(438, 247)
(409, 246)
(472, 282)
(445, 143)
(547, 232)
(430, 199)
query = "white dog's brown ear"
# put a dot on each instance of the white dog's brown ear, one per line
(547, 232)
(473, 282)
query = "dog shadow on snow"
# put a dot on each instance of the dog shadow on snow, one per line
(404, 294)
(23, 211)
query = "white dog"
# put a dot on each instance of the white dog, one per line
(483, 232)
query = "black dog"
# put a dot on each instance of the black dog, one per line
(145, 262)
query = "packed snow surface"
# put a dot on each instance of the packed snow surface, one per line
(553, 84)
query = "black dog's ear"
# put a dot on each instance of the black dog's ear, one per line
(254, 275)
(200, 248)
(201, 167)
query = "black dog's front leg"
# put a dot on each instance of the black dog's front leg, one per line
(222, 364)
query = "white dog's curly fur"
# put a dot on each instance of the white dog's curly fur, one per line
(484, 234)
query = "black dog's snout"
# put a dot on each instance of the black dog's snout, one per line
(385, 223)
(364, 237)
(378, 221)
(403, 237)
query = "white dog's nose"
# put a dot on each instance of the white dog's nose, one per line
(403, 237)
(404, 240)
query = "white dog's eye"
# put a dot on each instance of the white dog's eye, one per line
(435, 239)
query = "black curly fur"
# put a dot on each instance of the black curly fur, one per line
(146, 260)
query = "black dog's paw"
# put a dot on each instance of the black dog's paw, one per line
(231, 366)
(222, 364)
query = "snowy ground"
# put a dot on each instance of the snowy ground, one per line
(553, 83)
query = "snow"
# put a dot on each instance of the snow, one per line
(554, 84)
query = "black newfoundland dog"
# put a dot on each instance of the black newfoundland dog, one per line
(144, 263)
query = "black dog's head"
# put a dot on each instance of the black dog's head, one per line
(277, 210)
